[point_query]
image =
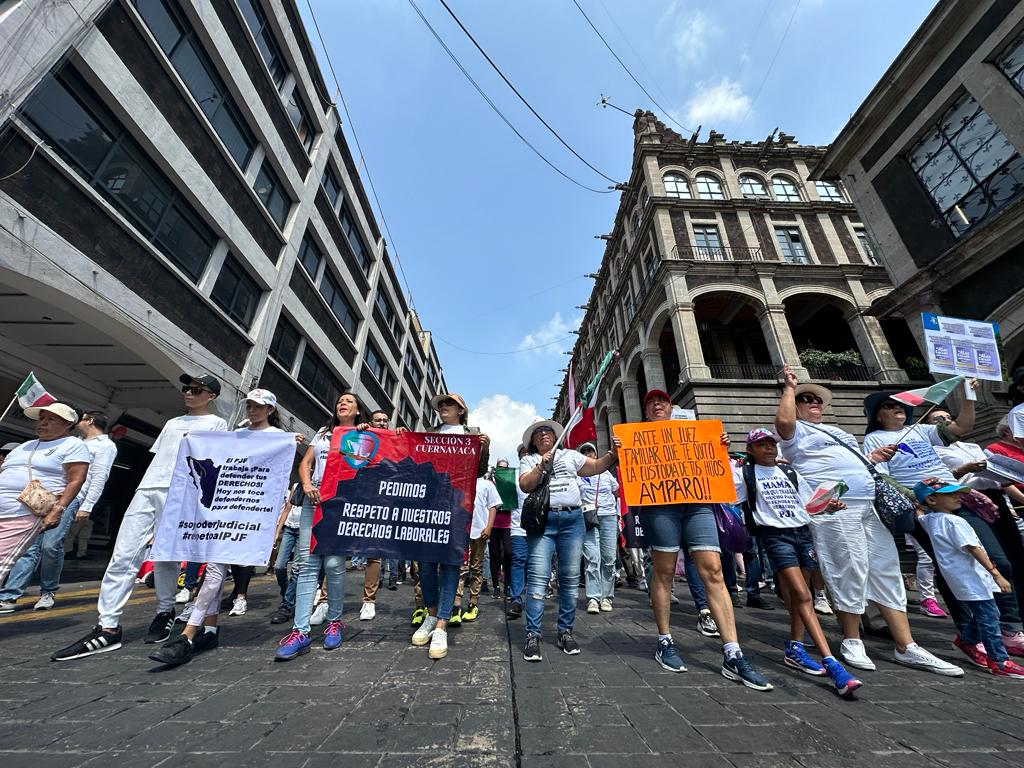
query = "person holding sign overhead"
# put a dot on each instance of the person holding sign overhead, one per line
(670, 526)
(563, 530)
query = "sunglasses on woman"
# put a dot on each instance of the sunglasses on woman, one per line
(808, 399)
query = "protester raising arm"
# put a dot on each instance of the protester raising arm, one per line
(785, 414)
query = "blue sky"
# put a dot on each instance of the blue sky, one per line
(494, 243)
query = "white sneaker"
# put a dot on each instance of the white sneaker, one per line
(438, 644)
(45, 602)
(183, 617)
(319, 615)
(422, 635)
(367, 612)
(606, 605)
(593, 606)
(239, 607)
(8, 606)
(918, 657)
(853, 653)
(183, 596)
(821, 604)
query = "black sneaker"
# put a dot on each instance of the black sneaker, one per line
(514, 611)
(160, 627)
(205, 641)
(531, 651)
(568, 643)
(96, 641)
(281, 615)
(392, 582)
(173, 652)
(756, 601)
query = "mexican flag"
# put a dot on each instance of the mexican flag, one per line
(505, 482)
(935, 394)
(580, 428)
(32, 394)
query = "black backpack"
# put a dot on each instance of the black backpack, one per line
(750, 482)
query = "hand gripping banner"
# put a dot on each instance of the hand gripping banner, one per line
(407, 496)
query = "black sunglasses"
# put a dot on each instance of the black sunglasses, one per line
(445, 403)
(189, 390)
(807, 399)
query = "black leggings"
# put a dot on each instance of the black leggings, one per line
(500, 548)
(242, 575)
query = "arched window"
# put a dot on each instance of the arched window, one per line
(709, 187)
(645, 198)
(829, 191)
(676, 185)
(636, 223)
(752, 187)
(785, 190)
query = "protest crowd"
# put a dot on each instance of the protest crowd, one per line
(818, 518)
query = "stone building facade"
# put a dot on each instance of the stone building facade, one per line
(724, 262)
(934, 159)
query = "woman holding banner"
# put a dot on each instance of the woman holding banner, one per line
(563, 532)
(200, 633)
(440, 580)
(348, 412)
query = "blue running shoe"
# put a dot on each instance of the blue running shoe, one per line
(292, 645)
(333, 635)
(668, 656)
(845, 682)
(740, 670)
(797, 658)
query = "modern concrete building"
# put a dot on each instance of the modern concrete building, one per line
(723, 263)
(933, 160)
(176, 194)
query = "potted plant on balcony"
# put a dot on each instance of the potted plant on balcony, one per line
(833, 366)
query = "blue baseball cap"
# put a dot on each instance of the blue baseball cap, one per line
(926, 488)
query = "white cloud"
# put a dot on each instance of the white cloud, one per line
(689, 32)
(503, 420)
(721, 101)
(542, 340)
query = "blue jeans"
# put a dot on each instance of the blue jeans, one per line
(564, 536)
(48, 553)
(289, 541)
(695, 583)
(981, 625)
(1009, 608)
(307, 565)
(599, 548)
(191, 575)
(439, 582)
(517, 579)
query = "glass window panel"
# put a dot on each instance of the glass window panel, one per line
(785, 189)
(975, 135)
(926, 149)
(252, 14)
(829, 191)
(709, 187)
(299, 118)
(143, 196)
(66, 123)
(186, 242)
(237, 140)
(1007, 183)
(161, 22)
(268, 189)
(676, 185)
(751, 186)
(1012, 59)
(331, 186)
(791, 245)
(285, 343)
(991, 157)
(236, 292)
(335, 298)
(954, 187)
(193, 72)
(959, 115)
(310, 256)
(939, 167)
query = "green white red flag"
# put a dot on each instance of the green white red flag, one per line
(581, 423)
(934, 394)
(32, 394)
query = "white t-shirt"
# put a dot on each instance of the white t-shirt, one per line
(959, 453)
(915, 458)
(819, 460)
(1016, 419)
(321, 444)
(516, 529)
(950, 535)
(47, 467)
(779, 504)
(605, 487)
(452, 429)
(486, 497)
(565, 491)
(103, 453)
(165, 449)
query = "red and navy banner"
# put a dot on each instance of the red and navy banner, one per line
(407, 497)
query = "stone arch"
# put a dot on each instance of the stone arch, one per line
(818, 290)
(731, 332)
(751, 293)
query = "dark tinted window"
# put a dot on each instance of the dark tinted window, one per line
(330, 289)
(310, 255)
(348, 225)
(315, 376)
(260, 28)
(285, 343)
(236, 292)
(270, 190)
(300, 119)
(331, 186)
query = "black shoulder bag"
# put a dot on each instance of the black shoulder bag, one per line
(536, 506)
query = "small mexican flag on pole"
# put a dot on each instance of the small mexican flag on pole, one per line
(934, 394)
(32, 394)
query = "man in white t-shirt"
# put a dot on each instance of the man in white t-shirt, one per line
(856, 553)
(139, 522)
(485, 507)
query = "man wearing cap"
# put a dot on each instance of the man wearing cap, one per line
(856, 553)
(56, 462)
(139, 522)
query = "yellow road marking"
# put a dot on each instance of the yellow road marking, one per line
(71, 610)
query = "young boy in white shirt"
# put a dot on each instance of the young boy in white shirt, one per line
(968, 571)
(776, 500)
(139, 522)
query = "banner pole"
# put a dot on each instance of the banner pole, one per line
(9, 406)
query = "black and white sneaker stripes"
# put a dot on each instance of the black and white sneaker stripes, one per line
(96, 641)
(160, 628)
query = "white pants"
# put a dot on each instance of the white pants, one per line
(858, 559)
(119, 579)
(925, 574)
(207, 602)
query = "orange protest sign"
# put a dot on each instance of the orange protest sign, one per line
(674, 462)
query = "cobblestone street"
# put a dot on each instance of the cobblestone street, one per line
(380, 702)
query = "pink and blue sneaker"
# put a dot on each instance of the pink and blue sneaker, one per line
(844, 682)
(797, 658)
(333, 635)
(294, 644)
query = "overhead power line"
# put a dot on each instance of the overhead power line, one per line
(622, 64)
(522, 98)
(497, 111)
(771, 64)
(503, 352)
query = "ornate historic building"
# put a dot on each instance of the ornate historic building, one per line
(724, 262)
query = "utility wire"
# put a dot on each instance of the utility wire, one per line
(628, 72)
(509, 352)
(521, 97)
(636, 53)
(494, 106)
(771, 64)
(362, 157)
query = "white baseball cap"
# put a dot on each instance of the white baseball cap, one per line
(263, 397)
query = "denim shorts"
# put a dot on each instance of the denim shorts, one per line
(789, 547)
(669, 527)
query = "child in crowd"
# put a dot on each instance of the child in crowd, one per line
(969, 572)
(776, 498)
